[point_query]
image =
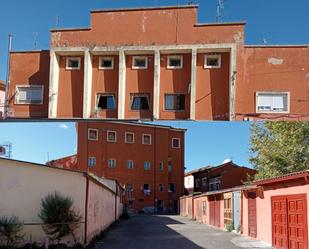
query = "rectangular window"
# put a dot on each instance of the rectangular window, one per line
(129, 187)
(106, 102)
(140, 102)
(112, 163)
(212, 61)
(130, 164)
(204, 181)
(73, 63)
(91, 161)
(129, 137)
(175, 102)
(197, 183)
(146, 189)
(161, 187)
(146, 139)
(93, 134)
(29, 95)
(111, 136)
(161, 166)
(175, 62)
(176, 143)
(272, 102)
(106, 63)
(171, 188)
(140, 62)
(147, 166)
(170, 167)
(215, 183)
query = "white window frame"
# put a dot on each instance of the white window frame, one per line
(132, 95)
(143, 141)
(92, 161)
(218, 56)
(140, 57)
(176, 138)
(107, 137)
(111, 58)
(98, 95)
(93, 139)
(148, 168)
(72, 58)
(114, 163)
(169, 57)
(125, 137)
(16, 102)
(131, 165)
(272, 93)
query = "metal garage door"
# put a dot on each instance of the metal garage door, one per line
(252, 227)
(214, 210)
(289, 222)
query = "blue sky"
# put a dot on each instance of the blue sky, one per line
(279, 21)
(207, 143)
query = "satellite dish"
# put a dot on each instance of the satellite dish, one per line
(228, 160)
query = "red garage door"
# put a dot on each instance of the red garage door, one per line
(214, 210)
(289, 222)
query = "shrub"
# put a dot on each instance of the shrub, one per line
(229, 227)
(59, 217)
(10, 229)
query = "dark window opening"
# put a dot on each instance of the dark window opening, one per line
(106, 102)
(175, 102)
(171, 187)
(140, 102)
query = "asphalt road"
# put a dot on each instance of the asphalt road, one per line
(169, 232)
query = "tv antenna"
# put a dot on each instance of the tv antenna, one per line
(35, 40)
(57, 21)
(191, 2)
(220, 6)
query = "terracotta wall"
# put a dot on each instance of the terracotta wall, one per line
(29, 68)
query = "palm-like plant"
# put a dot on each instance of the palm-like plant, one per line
(59, 217)
(10, 229)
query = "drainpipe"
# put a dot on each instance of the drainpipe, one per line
(6, 102)
(86, 207)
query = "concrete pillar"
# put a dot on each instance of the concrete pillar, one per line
(122, 84)
(53, 84)
(233, 72)
(87, 84)
(193, 84)
(156, 85)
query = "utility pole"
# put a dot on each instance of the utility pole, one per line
(220, 6)
(6, 102)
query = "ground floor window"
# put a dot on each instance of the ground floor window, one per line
(29, 95)
(140, 102)
(175, 102)
(272, 102)
(106, 102)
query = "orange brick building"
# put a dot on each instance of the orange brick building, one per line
(159, 63)
(147, 159)
(213, 178)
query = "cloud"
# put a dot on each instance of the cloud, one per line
(63, 126)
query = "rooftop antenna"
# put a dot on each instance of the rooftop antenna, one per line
(265, 41)
(35, 40)
(191, 2)
(57, 21)
(6, 102)
(220, 6)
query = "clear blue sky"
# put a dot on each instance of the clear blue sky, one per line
(279, 21)
(207, 143)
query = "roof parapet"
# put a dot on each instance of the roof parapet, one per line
(145, 8)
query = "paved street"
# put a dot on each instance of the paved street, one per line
(169, 232)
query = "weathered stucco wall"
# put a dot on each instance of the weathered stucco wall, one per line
(22, 188)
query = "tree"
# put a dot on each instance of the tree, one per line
(10, 229)
(59, 217)
(279, 148)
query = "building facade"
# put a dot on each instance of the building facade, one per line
(147, 159)
(2, 97)
(224, 176)
(158, 63)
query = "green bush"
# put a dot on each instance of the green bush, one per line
(10, 230)
(229, 227)
(59, 217)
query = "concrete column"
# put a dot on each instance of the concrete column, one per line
(53, 84)
(122, 84)
(233, 72)
(193, 84)
(87, 84)
(156, 85)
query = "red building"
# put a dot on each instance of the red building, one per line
(147, 159)
(159, 63)
(224, 176)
